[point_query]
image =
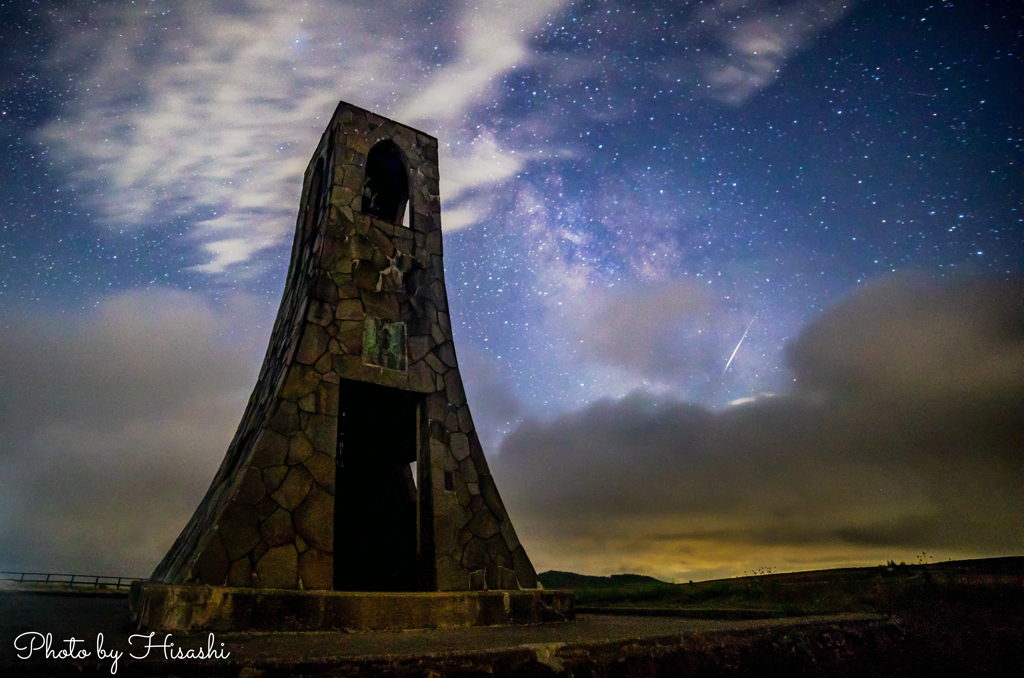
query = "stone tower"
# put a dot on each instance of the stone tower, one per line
(356, 466)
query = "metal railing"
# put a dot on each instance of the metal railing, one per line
(85, 580)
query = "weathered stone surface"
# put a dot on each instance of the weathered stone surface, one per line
(461, 490)
(476, 504)
(490, 494)
(271, 449)
(451, 423)
(342, 196)
(525, 573)
(421, 377)
(259, 550)
(333, 255)
(307, 403)
(381, 241)
(456, 396)
(434, 247)
(324, 288)
(327, 399)
(350, 336)
(474, 555)
(477, 453)
(507, 579)
(301, 380)
(316, 569)
(313, 344)
(294, 487)
(380, 304)
(349, 309)
(299, 448)
(251, 490)
(322, 431)
(278, 528)
(212, 566)
(347, 289)
(484, 524)
(237, 529)
(267, 506)
(393, 378)
(435, 364)
(314, 519)
(446, 352)
(365, 276)
(493, 577)
(286, 419)
(326, 361)
(446, 324)
(450, 575)
(320, 313)
(240, 573)
(436, 334)
(508, 533)
(438, 432)
(279, 568)
(418, 347)
(450, 518)
(465, 419)
(273, 476)
(468, 471)
(437, 407)
(460, 446)
(321, 467)
(497, 551)
(477, 580)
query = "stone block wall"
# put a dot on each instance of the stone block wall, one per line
(267, 520)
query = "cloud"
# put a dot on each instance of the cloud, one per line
(113, 424)
(472, 174)
(811, 477)
(496, 408)
(905, 337)
(208, 114)
(658, 331)
(492, 39)
(751, 42)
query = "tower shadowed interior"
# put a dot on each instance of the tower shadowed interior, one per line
(377, 501)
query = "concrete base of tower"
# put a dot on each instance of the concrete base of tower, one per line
(166, 607)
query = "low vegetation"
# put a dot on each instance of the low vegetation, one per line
(884, 589)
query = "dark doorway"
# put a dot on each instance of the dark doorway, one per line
(375, 502)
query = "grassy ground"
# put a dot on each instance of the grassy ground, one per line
(886, 589)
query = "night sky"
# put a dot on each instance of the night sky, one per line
(628, 190)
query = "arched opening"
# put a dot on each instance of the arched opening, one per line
(386, 188)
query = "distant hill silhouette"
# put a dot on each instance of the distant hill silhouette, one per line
(553, 579)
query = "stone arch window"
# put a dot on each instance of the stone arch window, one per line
(386, 189)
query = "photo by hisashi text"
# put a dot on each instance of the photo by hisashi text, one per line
(33, 644)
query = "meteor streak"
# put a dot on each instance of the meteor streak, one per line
(738, 345)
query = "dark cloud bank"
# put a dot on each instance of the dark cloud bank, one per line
(112, 425)
(902, 433)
